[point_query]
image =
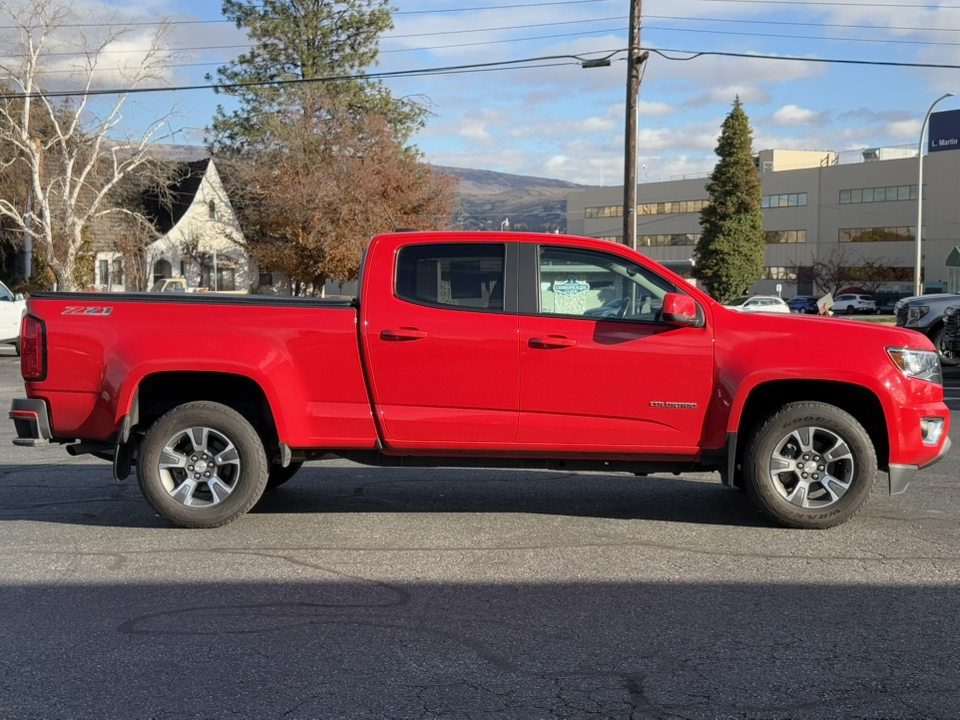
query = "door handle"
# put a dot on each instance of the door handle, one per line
(403, 334)
(552, 341)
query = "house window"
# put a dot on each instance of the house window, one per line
(116, 271)
(212, 208)
(225, 278)
(104, 273)
(161, 270)
(266, 278)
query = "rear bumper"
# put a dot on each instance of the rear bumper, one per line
(32, 422)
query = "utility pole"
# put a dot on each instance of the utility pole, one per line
(634, 61)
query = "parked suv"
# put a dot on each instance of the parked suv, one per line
(851, 303)
(925, 313)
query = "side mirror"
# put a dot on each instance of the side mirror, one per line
(18, 297)
(680, 310)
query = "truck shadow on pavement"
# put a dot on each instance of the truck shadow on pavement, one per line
(329, 645)
(87, 495)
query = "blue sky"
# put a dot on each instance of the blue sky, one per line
(566, 122)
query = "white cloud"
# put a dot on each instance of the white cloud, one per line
(654, 108)
(905, 129)
(748, 94)
(474, 130)
(793, 116)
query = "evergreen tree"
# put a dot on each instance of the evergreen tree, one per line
(305, 40)
(729, 254)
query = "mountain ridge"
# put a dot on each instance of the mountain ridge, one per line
(488, 198)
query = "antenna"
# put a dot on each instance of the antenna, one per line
(389, 216)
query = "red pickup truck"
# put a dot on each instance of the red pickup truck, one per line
(480, 349)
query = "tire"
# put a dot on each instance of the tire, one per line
(947, 358)
(788, 487)
(201, 432)
(16, 346)
(850, 310)
(279, 475)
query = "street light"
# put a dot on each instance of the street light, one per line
(917, 282)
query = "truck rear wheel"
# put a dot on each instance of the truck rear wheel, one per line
(279, 475)
(202, 465)
(809, 465)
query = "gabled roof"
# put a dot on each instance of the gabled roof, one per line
(166, 205)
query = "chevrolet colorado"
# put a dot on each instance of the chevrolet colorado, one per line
(480, 349)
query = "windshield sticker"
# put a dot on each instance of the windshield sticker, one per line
(570, 286)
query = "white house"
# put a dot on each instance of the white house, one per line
(200, 237)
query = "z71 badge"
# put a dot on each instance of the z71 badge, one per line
(87, 310)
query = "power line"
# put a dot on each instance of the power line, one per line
(382, 52)
(248, 46)
(800, 24)
(507, 27)
(448, 70)
(149, 23)
(694, 54)
(799, 37)
(837, 4)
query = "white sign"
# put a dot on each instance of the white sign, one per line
(570, 286)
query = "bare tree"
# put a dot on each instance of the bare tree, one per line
(843, 266)
(72, 164)
(831, 271)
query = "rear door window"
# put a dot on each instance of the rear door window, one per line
(454, 275)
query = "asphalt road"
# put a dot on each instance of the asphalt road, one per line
(373, 593)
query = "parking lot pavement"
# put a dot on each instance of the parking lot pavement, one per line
(357, 592)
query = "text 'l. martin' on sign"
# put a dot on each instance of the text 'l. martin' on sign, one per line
(944, 131)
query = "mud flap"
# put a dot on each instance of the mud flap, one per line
(123, 452)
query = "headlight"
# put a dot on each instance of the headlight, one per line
(916, 312)
(919, 364)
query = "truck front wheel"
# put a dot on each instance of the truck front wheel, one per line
(202, 465)
(947, 358)
(809, 465)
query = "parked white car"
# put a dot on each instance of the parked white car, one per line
(759, 303)
(12, 309)
(850, 303)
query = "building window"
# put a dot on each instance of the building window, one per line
(676, 239)
(104, 272)
(779, 272)
(606, 211)
(879, 194)
(784, 236)
(266, 278)
(212, 209)
(116, 271)
(672, 208)
(877, 234)
(782, 201)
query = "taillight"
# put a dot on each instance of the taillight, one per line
(33, 360)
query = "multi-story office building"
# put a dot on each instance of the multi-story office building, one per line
(813, 208)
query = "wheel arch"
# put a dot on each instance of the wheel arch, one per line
(159, 392)
(858, 401)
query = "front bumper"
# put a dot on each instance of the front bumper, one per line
(32, 422)
(901, 475)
